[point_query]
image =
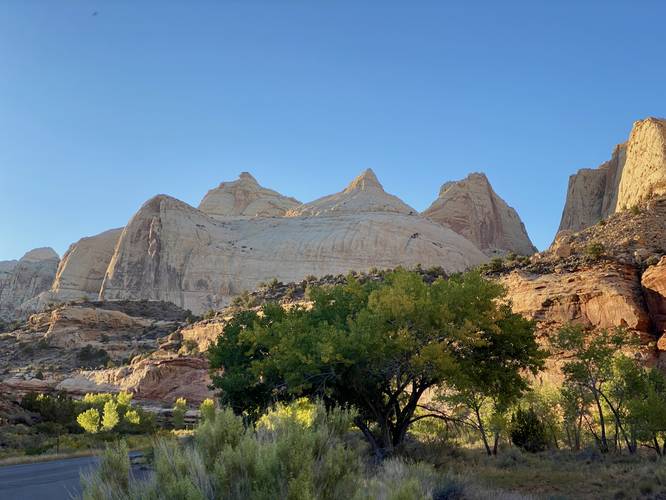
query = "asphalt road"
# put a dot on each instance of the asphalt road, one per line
(54, 480)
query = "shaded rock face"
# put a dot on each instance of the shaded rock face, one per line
(635, 173)
(171, 251)
(24, 279)
(604, 296)
(245, 197)
(472, 209)
(654, 284)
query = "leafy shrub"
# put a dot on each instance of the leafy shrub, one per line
(527, 431)
(595, 250)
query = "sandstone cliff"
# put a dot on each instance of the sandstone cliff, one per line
(635, 173)
(171, 251)
(472, 208)
(245, 197)
(24, 279)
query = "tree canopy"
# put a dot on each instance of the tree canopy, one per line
(378, 347)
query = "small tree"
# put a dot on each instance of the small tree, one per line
(110, 418)
(527, 431)
(89, 420)
(179, 410)
(591, 369)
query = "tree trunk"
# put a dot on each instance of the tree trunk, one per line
(496, 443)
(602, 423)
(482, 430)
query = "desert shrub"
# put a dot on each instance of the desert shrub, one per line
(214, 434)
(595, 250)
(527, 431)
(88, 356)
(178, 413)
(635, 210)
(112, 479)
(496, 265)
(207, 410)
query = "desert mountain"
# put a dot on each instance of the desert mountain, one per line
(173, 252)
(635, 172)
(245, 196)
(22, 280)
(472, 208)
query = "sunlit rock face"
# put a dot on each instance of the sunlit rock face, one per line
(472, 208)
(171, 251)
(635, 173)
(26, 278)
(245, 197)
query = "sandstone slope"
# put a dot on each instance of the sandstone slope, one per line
(472, 208)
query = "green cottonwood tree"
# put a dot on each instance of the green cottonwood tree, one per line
(377, 347)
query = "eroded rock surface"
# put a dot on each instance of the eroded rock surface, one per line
(472, 208)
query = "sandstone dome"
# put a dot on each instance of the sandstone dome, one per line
(245, 197)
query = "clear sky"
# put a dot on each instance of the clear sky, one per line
(104, 104)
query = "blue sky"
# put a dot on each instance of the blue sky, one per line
(100, 112)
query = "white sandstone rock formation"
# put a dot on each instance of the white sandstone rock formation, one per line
(24, 279)
(171, 251)
(472, 208)
(247, 198)
(80, 273)
(364, 194)
(635, 173)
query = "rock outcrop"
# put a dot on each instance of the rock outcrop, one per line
(171, 251)
(635, 173)
(161, 377)
(245, 197)
(472, 208)
(603, 296)
(24, 279)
